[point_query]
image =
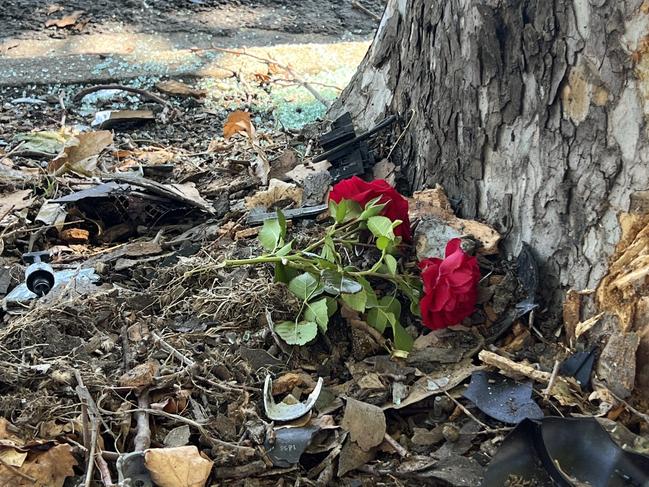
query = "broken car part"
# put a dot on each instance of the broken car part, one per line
(288, 412)
(348, 153)
(502, 398)
(580, 366)
(287, 444)
(39, 275)
(305, 212)
(566, 452)
(131, 470)
(21, 293)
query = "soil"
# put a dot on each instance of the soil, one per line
(25, 19)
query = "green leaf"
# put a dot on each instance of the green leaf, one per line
(387, 311)
(353, 210)
(284, 273)
(319, 312)
(285, 250)
(281, 219)
(270, 235)
(402, 340)
(379, 318)
(392, 304)
(372, 208)
(329, 250)
(381, 226)
(341, 211)
(332, 306)
(391, 263)
(336, 283)
(304, 286)
(356, 301)
(372, 300)
(297, 333)
(383, 243)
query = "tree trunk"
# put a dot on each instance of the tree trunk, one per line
(532, 112)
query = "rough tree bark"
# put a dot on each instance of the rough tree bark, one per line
(532, 112)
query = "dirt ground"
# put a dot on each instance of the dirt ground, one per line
(25, 19)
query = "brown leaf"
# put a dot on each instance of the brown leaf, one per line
(352, 457)
(238, 122)
(67, 21)
(177, 467)
(177, 88)
(41, 468)
(290, 381)
(81, 152)
(139, 376)
(13, 457)
(365, 423)
(262, 78)
(14, 201)
(75, 235)
(277, 191)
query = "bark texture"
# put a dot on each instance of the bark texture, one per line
(532, 112)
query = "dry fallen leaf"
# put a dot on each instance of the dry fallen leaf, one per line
(14, 201)
(139, 376)
(67, 21)
(238, 122)
(81, 152)
(41, 468)
(365, 423)
(277, 191)
(177, 88)
(352, 457)
(13, 457)
(177, 467)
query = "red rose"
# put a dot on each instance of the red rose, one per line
(450, 287)
(396, 206)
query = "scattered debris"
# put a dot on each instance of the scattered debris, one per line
(66, 21)
(182, 466)
(285, 411)
(39, 275)
(502, 398)
(176, 88)
(438, 224)
(365, 423)
(122, 119)
(347, 152)
(565, 451)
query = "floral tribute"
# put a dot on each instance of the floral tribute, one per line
(325, 276)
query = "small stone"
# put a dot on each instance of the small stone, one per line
(451, 432)
(316, 186)
(431, 236)
(424, 437)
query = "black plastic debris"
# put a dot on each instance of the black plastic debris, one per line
(288, 444)
(502, 398)
(580, 366)
(564, 452)
(527, 273)
(348, 153)
(257, 216)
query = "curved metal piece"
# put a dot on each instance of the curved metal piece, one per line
(288, 412)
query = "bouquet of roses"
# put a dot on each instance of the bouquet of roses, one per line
(324, 277)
